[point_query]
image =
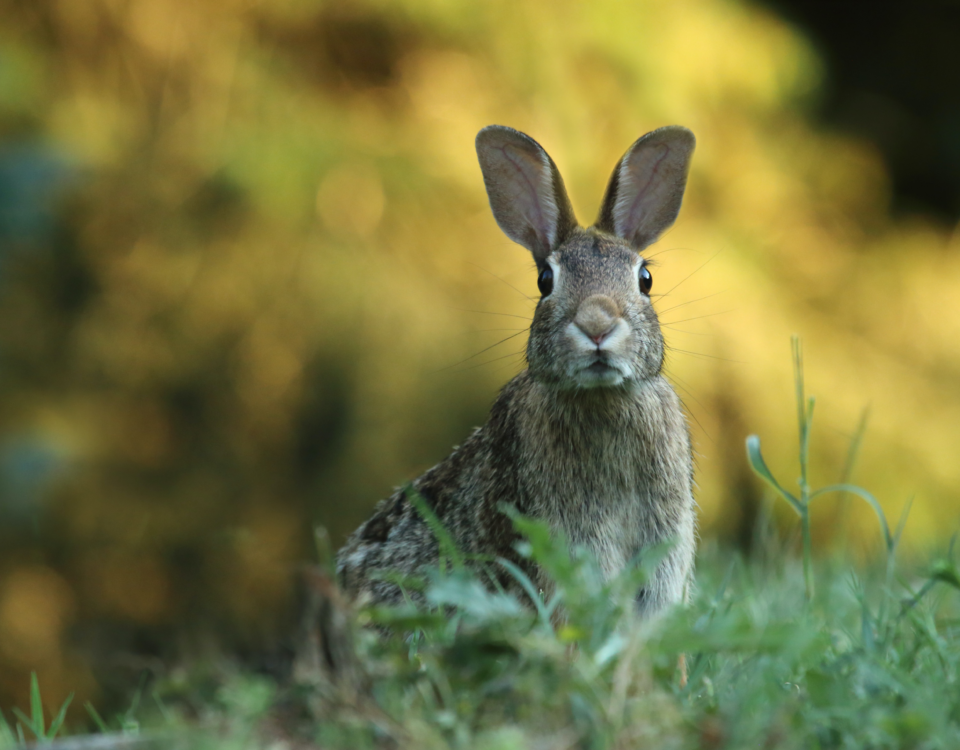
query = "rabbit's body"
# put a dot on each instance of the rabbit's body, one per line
(590, 438)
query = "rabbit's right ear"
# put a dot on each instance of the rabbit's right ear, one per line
(526, 192)
(646, 189)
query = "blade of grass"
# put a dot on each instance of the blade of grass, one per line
(846, 473)
(805, 450)
(797, 351)
(448, 548)
(901, 524)
(6, 733)
(26, 720)
(524, 580)
(36, 706)
(97, 718)
(759, 466)
(871, 501)
(58, 719)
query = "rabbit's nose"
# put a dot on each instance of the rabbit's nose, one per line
(597, 317)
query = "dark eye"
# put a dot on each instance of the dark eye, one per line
(646, 280)
(545, 281)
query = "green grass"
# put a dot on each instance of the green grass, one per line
(871, 662)
(32, 727)
(868, 663)
(781, 652)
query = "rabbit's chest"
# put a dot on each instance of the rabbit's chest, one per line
(606, 511)
(614, 487)
(608, 499)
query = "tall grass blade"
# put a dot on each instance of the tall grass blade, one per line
(804, 415)
(28, 722)
(797, 350)
(902, 523)
(58, 719)
(527, 585)
(759, 466)
(36, 706)
(871, 501)
(6, 733)
(846, 472)
(97, 718)
(805, 446)
(448, 548)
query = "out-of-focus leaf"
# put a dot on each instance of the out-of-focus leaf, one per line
(473, 598)
(945, 571)
(407, 619)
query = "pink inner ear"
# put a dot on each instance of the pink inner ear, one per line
(639, 199)
(531, 191)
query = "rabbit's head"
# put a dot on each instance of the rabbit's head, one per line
(594, 325)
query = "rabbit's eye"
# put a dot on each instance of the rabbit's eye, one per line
(646, 280)
(545, 281)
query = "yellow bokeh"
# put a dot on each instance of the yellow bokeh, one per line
(283, 268)
(35, 604)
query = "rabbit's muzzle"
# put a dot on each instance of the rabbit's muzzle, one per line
(599, 335)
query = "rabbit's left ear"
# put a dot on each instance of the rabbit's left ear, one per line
(526, 191)
(646, 189)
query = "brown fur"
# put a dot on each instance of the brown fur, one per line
(590, 438)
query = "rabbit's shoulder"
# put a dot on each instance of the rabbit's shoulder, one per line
(464, 492)
(475, 473)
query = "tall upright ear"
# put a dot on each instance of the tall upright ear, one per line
(526, 191)
(646, 188)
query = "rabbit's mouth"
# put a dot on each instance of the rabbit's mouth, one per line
(600, 367)
(600, 374)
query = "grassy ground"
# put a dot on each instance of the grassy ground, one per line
(780, 652)
(871, 662)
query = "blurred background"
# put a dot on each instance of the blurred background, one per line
(249, 280)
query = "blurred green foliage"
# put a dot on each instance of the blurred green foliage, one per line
(244, 246)
(863, 665)
(866, 664)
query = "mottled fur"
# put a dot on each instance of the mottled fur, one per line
(590, 438)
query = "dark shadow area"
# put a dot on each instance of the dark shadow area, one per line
(893, 77)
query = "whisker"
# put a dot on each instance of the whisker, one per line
(489, 361)
(500, 279)
(687, 320)
(511, 364)
(704, 265)
(685, 389)
(485, 312)
(665, 250)
(701, 354)
(699, 299)
(472, 356)
(689, 333)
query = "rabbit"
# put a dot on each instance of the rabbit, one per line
(590, 439)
